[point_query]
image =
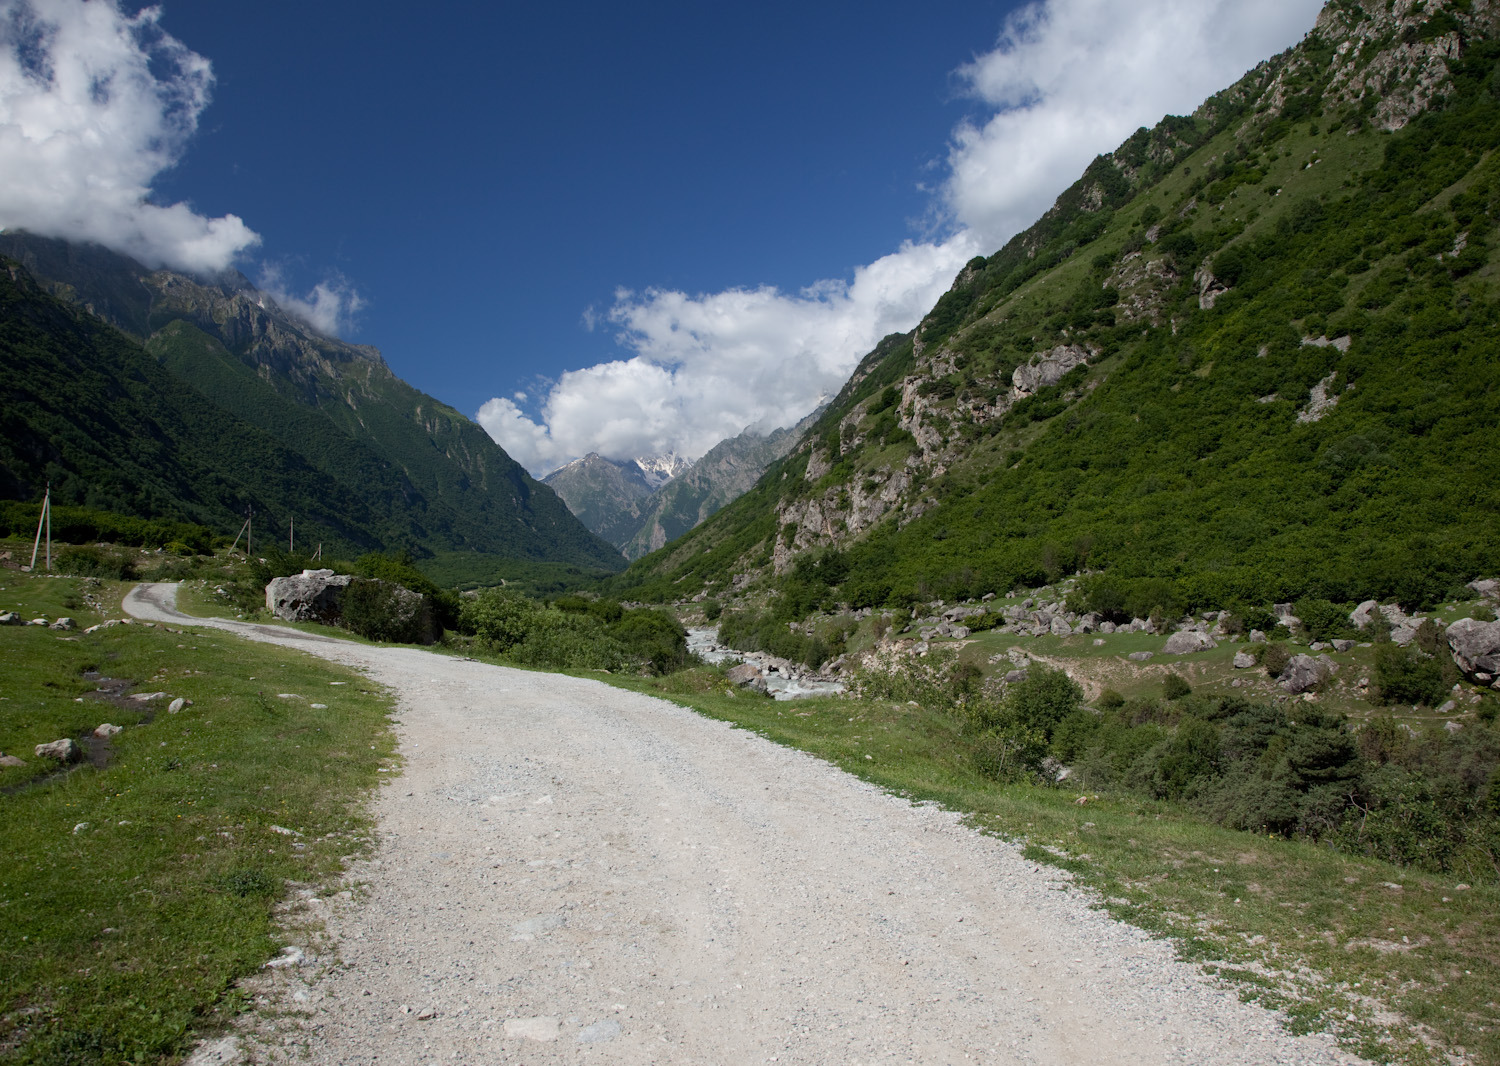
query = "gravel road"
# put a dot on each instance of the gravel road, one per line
(566, 872)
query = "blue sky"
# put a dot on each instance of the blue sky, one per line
(598, 227)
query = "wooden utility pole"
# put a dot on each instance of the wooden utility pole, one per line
(45, 518)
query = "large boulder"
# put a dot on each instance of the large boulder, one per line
(1476, 645)
(312, 596)
(1488, 587)
(1303, 672)
(1187, 641)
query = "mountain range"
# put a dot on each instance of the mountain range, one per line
(1247, 357)
(638, 505)
(151, 392)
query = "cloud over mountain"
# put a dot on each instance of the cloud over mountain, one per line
(94, 104)
(1067, 79)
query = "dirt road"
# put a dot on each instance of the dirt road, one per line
(569, 873)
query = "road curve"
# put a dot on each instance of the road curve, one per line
(567, 872)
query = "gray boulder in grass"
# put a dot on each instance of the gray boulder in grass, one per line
(1476, 645)
(1187, 641)
(1302, 672)
(64, 751)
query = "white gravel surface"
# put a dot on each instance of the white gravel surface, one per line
(567, 872)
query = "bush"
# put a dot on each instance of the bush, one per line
(1274, 657)
(1406, 675)
(89, 561)
(1175, 687)
(712, 609)
(654, 637)
(380, 610)
(499, 618)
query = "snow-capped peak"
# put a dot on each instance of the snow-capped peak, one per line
(659, 469)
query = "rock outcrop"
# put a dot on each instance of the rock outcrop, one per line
(312, 596)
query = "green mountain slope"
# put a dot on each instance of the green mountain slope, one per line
(1249, 356)
(426, 478)
(84, 405)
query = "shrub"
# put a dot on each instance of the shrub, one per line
(380, 610)
(1274, 657)
(654, 637)
(712, 609)
(499, 618)
(1406, 675)
(89, 561)
(1175, 687)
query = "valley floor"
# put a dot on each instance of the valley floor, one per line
(565, 869)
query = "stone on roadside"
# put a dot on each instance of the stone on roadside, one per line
(1187, 641)
(64, 751)
(1243, 660)
(107, 730)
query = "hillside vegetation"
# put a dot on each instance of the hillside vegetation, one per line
(172, 397)
(1247, 358)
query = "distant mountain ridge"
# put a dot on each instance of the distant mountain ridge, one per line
(413, 473)
(640, 504)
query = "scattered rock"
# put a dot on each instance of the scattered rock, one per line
(11, 760)
(62, 623)
(1362, 615)
(147, 697)
(1187, 641)
(37, 622)
(1257, 637)
(1489, 588)
(1342, 645)
(426, 1014)
(178, 704)
(290, 956)
(1140, 656)
(64, 751)
(745, 675)
(607, 1029)
(107, 730)
(1447, 707)
(1243, 660)
(80, 827)
(539, 1029)
(10, 618)
(224, 1051)
(1452, 727)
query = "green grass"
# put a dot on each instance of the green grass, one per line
(1315, 932)
(133, 895)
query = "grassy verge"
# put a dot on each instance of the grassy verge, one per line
(1403, 965)
(135, 889)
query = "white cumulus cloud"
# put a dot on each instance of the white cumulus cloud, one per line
(1070, 79)
(94, 104)
(329, 307)
(705, 367)
(1066, 81)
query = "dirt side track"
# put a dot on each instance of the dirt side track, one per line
(567, 872)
